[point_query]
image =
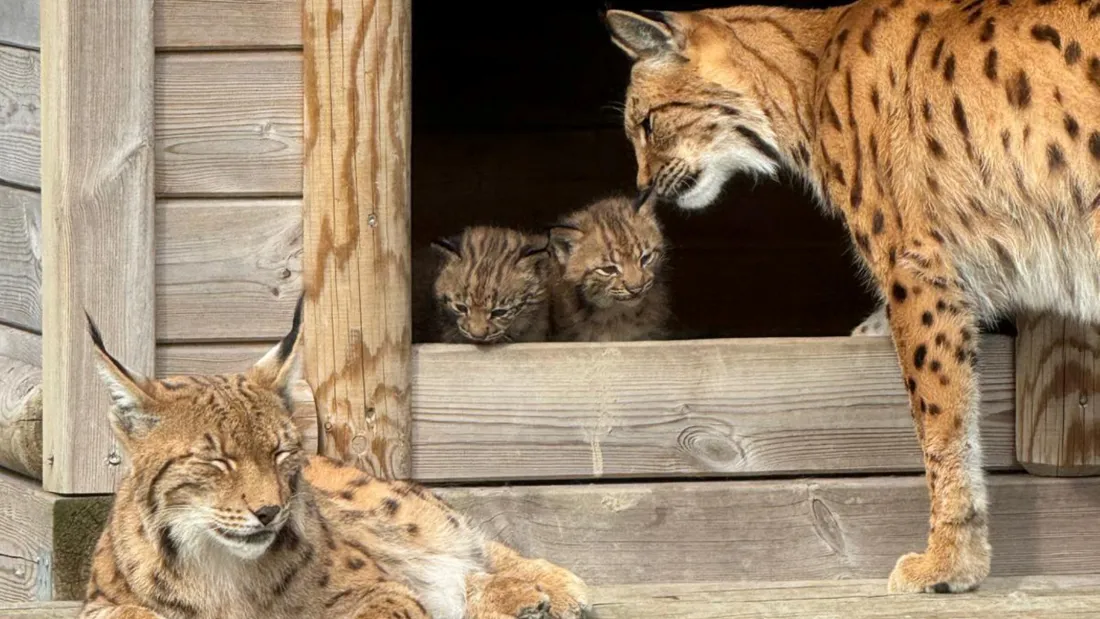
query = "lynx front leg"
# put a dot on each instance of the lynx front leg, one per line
(525, 588)
(935, 336)
(383, 600)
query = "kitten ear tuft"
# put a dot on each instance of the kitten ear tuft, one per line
(563, 240)
(449, 247)
(130, 391)
(534, 247)
(281, 368)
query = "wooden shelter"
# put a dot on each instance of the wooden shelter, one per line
(184, 169)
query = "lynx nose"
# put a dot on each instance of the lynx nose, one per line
(266, 514)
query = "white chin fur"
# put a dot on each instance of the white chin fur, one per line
(705, 191)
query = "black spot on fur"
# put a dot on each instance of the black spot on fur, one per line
(875, 101)
(960, 355)
(941, 340)
(941, 306)
(354, 564)
(1094, 71)
(991, 65)
(899, 292)
(934, 410)
(935, 366)
(863, 242)
(988, 30)
(927, 319)
(1056, 159)
(1094, 145)
(919, 356)
(926, 110)
(959, 113)
(937, 54)
(911, 385)
(1047, 34)
(949, 68)
(390, 505)
(1073, 52)
(1072, 128)
(878, 223)
(936, 148)
(1018, 90)
(922, 21)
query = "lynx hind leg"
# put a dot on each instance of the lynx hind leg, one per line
(874, 325)
(935, 337)
(524, 588)
(383, 600)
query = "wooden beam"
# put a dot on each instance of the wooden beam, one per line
(98, 236)
(809, 529)
(19, 23)
(217, 134)
(216, 24)
(1058, 597)
(719, 408)
(356, 228)
(1058, 396)
(227, 269)
(19, 113)
(46, 541)
(20, 258)
(21, 402)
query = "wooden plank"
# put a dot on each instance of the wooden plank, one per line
(824, 529)
(1004, 598)
(227, 269)
(45, 541)
(21, 402)
(718, 408)
(229, 123)
(221, 359)
(20, 71)
(356, 228)
(19, 23)
(1057, 418)
(217, 24)
(98, 237)
(41, 610)
(20, 258)
(715, 407)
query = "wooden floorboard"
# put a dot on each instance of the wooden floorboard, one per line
(1000, 598)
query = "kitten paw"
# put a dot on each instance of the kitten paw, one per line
(938, 573)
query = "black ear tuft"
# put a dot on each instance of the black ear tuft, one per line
(97, 340)
(287, 343)
(449, 245)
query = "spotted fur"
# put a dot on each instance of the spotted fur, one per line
(959, 141)
(493, 286)
(610, 282)
(223, 516)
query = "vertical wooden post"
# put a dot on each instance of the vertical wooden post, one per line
(356, 219)
(1058, 397)
(97, 225)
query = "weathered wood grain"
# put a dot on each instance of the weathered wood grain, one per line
(717, 407)
(19, 23)
(21, 402)
(98, 234)
(229, 123)
(650, 409)
(45, 541)
(824, 529)
(356, 237)
(220, 359)
(41, 610)
(217, 24)
(1057, 418)
(227, 269)
(20, 258)
(20, 71)
(1004, 598)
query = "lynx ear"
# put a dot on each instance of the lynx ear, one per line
(281, 368)
(563, 240)
(131, 415)
(535, 247)
(448, 247)
(644, 34)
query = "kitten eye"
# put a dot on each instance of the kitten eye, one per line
(460, 308)
(648, 257)
(281, 456)
(608, 270)
(500, 312)
(647, 125)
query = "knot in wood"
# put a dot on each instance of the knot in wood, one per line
(716, 448)
(359, 444)
(826, 526)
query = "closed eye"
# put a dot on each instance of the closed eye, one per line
(281, 456)
(608, 270)
(647, 125)
(461, 308)
(500, 312)
(220, 464)
(648, 257)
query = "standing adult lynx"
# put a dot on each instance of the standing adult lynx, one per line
(959, 140)
(223, 516)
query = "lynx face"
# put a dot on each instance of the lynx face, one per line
(609, 252)
(688, 112)
(220, 456)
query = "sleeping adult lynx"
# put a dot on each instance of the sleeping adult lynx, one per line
(224, 517)
(960, 141)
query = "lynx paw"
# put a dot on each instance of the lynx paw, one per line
(929, 573)
(874, 325)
